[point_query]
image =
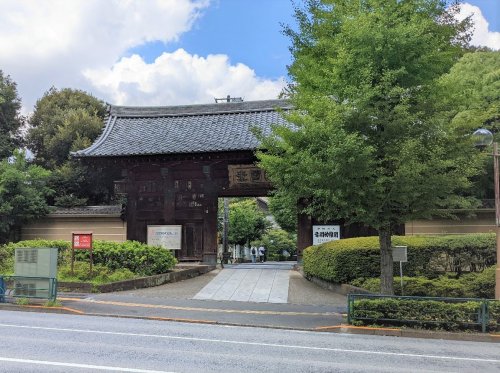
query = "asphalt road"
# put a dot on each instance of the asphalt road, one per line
(34, 342)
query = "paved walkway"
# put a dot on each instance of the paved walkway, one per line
(302, 304)
(252, 282)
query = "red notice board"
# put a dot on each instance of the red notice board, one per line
(82, 241)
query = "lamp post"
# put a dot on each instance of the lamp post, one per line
(484, 138)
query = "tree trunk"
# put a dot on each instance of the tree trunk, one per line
(386, 264)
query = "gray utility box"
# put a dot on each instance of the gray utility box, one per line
(36, 262)
(39, 266)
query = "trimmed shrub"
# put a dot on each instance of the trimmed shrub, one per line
(100, 273)
(471, 285)
(482, 284)
(430, 256)
(139, 258)
(428, 314)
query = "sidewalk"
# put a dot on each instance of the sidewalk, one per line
(308, 306)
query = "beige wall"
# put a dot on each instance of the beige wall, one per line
(60, 228)
(484, 222)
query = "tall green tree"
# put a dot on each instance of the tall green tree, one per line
(469, 97)
(366, 144)
(284, 210)
(63, 121)
(279, 244)
(23, 193)
(10, 118)
(246, 222)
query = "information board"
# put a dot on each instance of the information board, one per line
(399, 254)
(167, 236)
(82, 241)
(325, 233)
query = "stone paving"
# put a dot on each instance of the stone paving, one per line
(251, 282)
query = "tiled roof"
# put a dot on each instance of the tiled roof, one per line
(185, 129)
(110, 210)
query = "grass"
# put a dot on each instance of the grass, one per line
(22, 301)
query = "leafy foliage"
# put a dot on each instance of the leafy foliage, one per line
(469, 96)
(424, 313)
(64, 121)
(139, 258)
(367, 143)
(23, 192)
(101, 274)
(246, 222)
(113, 260)
(284, 210)
(345, 260)
(278, 242)
(10, 119)
(470, 285)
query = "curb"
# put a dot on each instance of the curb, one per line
(341, 329)
(410, 333)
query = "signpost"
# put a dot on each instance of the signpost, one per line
(325, 233)
(399, 254)
(81, 241)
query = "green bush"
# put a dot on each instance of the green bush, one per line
(472, 285)
(277, 242)
(139, 258)
(345, 260)
(424, 313)
(7, 252)
(482, 284)
(100, 273)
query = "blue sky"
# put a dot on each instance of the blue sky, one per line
(161, 52)
(249, 31)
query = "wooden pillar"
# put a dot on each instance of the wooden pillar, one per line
(131, 206)
(210, 230)
(210, 217)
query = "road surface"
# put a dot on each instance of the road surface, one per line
(36, 342)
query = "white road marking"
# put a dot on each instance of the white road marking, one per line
(254, 343)
(86, 366)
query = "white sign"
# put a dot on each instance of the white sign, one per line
(325, 233)
(167, 236)
(399, 254)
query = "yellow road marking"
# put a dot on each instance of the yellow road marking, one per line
(282, 313)
(57, 308)
(354, 327)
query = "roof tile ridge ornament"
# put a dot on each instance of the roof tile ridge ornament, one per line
(199, 109)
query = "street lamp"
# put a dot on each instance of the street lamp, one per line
(484, 138)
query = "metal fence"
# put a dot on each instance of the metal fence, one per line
(27, 287)
(475, 313)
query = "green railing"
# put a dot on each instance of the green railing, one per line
(27, 287)
(427, 312)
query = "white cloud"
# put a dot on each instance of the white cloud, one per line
(179, 78)
(481, 36)
(50, 42)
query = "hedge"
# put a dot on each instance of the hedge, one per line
(137, 257)
(429, 314)
(471, 285)
(344, 260)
